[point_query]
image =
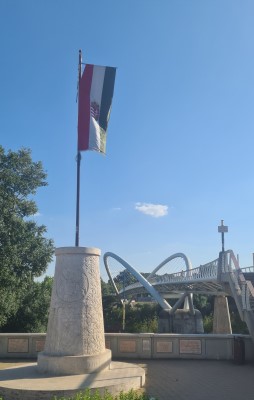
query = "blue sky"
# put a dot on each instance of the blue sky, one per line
(180, 138)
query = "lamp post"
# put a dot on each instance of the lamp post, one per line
(124, 300)
(222, 229)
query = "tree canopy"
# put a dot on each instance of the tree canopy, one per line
(24, 250)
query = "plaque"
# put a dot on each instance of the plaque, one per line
(127, 346)
(39, 345)
(190, 346)
(17, 345)
(146, 345)
(107, 344)
(164, 347)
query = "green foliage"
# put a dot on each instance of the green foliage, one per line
(124, 279)
(203, 303)
(95, 395)
(112, 312)
(142, 318)
(149, 325)
(238, 326)
(107, 288)
(24, 250)
(32, 314)
(139, 317)
(90, 395)
(208, 323)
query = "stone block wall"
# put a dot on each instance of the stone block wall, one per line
(138, 346)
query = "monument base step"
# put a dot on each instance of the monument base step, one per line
(74, 365)
(26, 383)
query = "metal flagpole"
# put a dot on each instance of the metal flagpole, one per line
(78, 165)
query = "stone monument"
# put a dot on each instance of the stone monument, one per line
(75, 341)
(74, 357)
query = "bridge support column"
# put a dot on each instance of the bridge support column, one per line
(221, 316)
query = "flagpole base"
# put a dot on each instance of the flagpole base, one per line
(75, 342)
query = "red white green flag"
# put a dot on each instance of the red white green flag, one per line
(96, 88)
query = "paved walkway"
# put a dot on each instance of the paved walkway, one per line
(199, 380)
(194, 379)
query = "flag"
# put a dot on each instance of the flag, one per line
(96, 89)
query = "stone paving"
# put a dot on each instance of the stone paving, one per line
(198, 380)
(193, 379)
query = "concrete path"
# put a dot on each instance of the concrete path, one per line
(198, 380)
(194, 379)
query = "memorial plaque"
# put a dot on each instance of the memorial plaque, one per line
(146, 345)
(107, 344)
(17, 345)
(190, 346)
(39, 345)
(164, 347)
(127, 346)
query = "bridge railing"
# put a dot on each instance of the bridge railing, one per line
(243, 288)
(207, 271)
(203, 272)
(247, 290)
(131, 287)
(248, 269)
(229, 261)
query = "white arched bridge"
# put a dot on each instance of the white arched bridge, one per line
(175, 278)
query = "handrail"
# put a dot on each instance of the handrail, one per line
(248, 269)
(206, 271)
(246, 288)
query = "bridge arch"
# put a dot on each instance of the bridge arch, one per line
(185, 297)
(151, 290)
(170, 258)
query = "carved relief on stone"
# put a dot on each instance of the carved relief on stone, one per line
(64, 331)
(93, 341)
(69, 287)
(76, 319)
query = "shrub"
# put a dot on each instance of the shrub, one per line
(89, 395)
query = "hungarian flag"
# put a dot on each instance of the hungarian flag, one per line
(96, 89)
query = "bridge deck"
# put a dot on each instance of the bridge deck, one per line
(189, 281)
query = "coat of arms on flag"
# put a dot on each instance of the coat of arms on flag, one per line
(95, 110)
(96, 89)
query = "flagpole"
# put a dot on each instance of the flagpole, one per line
(78, 164)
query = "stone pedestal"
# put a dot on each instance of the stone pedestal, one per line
(182, 322)
(221, 316)
(74, 357)
(75, 341)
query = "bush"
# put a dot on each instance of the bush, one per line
(208, 323)
(89, 395)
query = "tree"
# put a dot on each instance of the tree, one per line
(32, 314)
(24, 250)
(107, 288)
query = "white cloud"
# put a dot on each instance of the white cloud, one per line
(155, 210)
(37, 214)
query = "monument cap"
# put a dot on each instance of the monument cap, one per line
(78, 250)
